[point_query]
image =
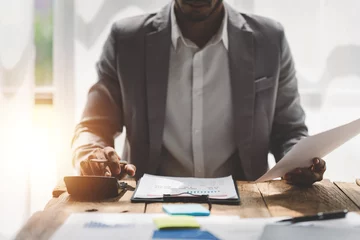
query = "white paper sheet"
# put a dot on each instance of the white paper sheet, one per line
(115, 226)
(91, 226)
(249, 229)
(319, 145)
(344, 229)
(152, 186)
(140, 226)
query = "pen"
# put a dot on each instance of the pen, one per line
(107, 161)
(318, 217)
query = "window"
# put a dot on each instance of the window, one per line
(43, 40)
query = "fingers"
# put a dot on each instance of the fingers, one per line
(106, 162)
(98, 154)
(127, 169)
(319, 165)
(114, 160)
(289, 175)
(130, 169)
(107, 172)
(85, 169)
(88, 168)
(307, 176)
(96, 162)
(93, 167)
(111, 154)
(97, 169)
(302, 177)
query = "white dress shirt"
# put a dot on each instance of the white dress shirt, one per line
(198, 129)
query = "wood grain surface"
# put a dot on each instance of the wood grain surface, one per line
(352, 190)
(273, 198)
(287, 200)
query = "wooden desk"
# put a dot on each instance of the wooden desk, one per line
(269, 199)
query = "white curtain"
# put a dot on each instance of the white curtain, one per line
(16, 102)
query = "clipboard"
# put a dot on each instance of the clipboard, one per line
(168, 198)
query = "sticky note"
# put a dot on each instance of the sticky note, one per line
(186, 209)
(183, 234)
(176, 222)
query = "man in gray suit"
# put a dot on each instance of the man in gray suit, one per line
(202, 91)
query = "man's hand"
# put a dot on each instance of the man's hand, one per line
(106, 162)
(307, 176)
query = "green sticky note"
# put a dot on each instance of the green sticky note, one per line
(176, 222)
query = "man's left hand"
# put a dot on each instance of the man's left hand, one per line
(307, 176)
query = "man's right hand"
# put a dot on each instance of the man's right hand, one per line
(106, 162)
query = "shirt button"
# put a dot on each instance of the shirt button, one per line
(197, 131)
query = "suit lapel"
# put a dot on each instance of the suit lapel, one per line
(242, 69)
(157, 71)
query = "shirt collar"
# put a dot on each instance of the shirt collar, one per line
(176, 33)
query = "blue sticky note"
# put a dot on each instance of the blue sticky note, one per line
(186, 209)
(184, 234)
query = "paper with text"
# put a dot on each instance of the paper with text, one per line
(152, 186)
(319, 145)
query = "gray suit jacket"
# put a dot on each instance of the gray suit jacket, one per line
(132, 86)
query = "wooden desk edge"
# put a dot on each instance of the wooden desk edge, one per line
(34, 227)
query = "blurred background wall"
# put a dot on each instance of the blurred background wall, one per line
(48, 50)
(17, 65)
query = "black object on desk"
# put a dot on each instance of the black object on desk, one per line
(318, 217)
(173, 198)
(95, 187)
(190, 199)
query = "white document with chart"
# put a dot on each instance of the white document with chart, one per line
(151, 186)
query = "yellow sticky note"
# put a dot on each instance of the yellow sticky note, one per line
(176, 222)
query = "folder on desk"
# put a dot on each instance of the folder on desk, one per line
(152, 188)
